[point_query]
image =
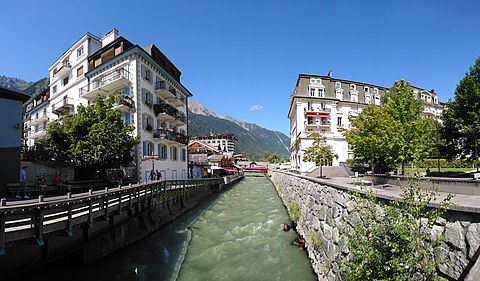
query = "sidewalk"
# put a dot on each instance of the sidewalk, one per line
(462, 202)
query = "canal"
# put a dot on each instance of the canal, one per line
(234, 235)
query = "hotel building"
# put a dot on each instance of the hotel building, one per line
(324, 104)
(147, 90)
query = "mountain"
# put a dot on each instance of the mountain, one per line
(37, 87)
(29, 88)
(253, 139)
(13, 83)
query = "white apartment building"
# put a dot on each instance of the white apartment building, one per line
(147, 90)
(324, 104)
(223, 142)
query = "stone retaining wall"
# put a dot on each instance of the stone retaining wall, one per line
(324, 205)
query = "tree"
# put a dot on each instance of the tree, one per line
(319, 152)
(461, 117)
(417, 135)
(95, 137)
(374, 136)
(393, 241)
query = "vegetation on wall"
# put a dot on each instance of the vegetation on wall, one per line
(393, 241)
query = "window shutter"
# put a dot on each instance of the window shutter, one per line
(153, 148)
(144, 148)
(144, 121)
(143, 95)
(159, 151)
(142, 70)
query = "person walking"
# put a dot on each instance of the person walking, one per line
(23, 183)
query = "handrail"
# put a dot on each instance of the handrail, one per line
(39, 218)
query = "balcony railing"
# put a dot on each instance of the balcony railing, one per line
(114, 80)
(63, 106)
(170, 136)
(62, 69)
(39, 117)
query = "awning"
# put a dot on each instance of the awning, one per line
(315, 114)
(230, 170)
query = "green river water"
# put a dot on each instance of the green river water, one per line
(235, 235)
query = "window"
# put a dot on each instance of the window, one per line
(339, 121)
(353, 87)
(146, 73)
(365, 89)
(80, 52)
(339, 95)
(79, 71)
(65, 81)
(315, 81)
(148, 148)
(54, 89)
(162, 151)
(147, 97)
(173, 153)
(321, 93)
(183, 155)
(377, 100)
(338, 85)
(312, 92)
(375, 91)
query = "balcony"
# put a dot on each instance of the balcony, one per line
(178, 100)
(319, 124)
(39, 117)
(63, 106)
(40, 132)
(123, 103)
(62, 69)
(180, 119)
(317, 112)
(170, 136)
(117, 79)
(162, 89)
(165, 112)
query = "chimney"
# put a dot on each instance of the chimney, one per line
(108, 37)
(433, 91)
(329, 74)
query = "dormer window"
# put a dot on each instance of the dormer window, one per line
(315, 81)
(353, 87)
(365, 89)
(375, 91)
(338, 85)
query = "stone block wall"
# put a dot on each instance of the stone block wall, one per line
(323, 206)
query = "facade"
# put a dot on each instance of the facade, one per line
(147, 90)
(324, 104)
(11, 132)
(223, 142)
(36, 117)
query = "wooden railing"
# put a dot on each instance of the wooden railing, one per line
(37, 218)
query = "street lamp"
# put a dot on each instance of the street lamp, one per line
(438, 155)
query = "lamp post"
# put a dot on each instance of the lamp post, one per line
(476, 155)
(438, 155)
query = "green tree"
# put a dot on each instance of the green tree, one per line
(393, 241)
(461, 117)
(95, 137)
(374, 136)
(319, 152)
(417, 135)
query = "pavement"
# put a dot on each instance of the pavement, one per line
(461, 202)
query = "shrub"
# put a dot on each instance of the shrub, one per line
(391, 241)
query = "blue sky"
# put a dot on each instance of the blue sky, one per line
(242, 58)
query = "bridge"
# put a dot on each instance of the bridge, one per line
(95, 223)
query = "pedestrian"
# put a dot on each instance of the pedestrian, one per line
(58, 182)
(152, 175)
(23, 183)
(66, 184)
(41, 183)
(159, 175)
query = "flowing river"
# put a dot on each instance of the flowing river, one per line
(235, 235)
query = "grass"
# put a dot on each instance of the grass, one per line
(434, 171)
